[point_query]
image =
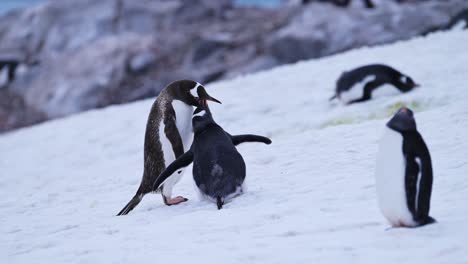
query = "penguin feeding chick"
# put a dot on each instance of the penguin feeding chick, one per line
(404, 173)
(358, 85)
(168, 135)
(218, 168)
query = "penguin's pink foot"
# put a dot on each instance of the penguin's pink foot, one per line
(174, 201)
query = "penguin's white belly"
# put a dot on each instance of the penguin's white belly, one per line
(390, 180)
(356, 91)
(184, 125)
(385, 90)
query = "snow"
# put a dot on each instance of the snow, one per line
(311, 194)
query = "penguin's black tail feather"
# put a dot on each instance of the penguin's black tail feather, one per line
(332, 98)
(131, 205)
(219, 202)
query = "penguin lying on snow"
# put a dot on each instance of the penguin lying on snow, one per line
(218, 168)
(404, 173)
(168, 135)
(357, 85)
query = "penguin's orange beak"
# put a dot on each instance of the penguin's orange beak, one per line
(204, 96)
(214, 100)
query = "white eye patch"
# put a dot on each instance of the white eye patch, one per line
(201, 113)
(193, 91)
(404, 79)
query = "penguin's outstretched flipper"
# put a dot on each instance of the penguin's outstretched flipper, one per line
(332, 98)
(131, 205)
(236, 140)
(182, 161)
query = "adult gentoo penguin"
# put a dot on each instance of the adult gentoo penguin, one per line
(168, 135)
(218, 168)
(404, 173)
(357, 85)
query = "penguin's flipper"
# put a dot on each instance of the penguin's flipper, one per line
(238, 139)
(367, 94)
(425, 185)
(180, 162)
(332, 98)
(411, 180)
(172, 134)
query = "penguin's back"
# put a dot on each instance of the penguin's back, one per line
(218, 168)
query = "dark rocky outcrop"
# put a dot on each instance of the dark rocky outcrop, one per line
(23, 113)
(77, 55)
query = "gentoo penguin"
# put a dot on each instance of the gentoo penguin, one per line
(218, 168)
(357, 85)
(168, 135)
(404, 173)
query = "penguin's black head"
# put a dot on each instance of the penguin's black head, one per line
(184, 90)
(204, 97)
(403, 121)
(201, 117)
(406, 83)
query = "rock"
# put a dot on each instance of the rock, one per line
(141, 61)
(116, 51)
(72, 82)
(291, 49)
(25, 115)
(204, 48)
(312, 34)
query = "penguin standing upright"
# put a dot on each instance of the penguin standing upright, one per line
(168, 135)
(218, 168)
(358, 85)
(404, 173)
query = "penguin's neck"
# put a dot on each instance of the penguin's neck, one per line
(202, 122)
(398, 84)
(183, 114)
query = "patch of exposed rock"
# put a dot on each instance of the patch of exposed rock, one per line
(76, 55)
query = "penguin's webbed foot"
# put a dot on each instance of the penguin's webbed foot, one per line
(174, 201)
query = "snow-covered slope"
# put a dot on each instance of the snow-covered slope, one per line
(311, 195)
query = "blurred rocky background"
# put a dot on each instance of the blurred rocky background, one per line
(60, 57)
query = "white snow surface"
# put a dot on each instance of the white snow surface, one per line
(311, 195)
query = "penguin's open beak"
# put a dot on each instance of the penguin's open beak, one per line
(204, 96)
